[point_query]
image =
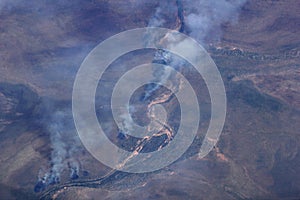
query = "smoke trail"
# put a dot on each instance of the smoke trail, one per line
(197, 18)
(59, 152)
(204, 18)
(162, 57)
(127, 122)
(65, 146)
(157, 20)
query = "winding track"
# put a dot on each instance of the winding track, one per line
(115, 175)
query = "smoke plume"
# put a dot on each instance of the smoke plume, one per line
(204, 18)
(200, 19)
(65, 147)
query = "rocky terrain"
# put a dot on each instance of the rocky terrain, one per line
(43, 45)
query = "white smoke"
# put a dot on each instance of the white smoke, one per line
(204, 18)
(201, 19)
(157, 20)
(59, 151)
(65, 147)
(127, 122)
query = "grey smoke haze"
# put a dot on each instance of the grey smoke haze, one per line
(65, 147)
(201, 20)
(59, 153)
(204, 18)
(59, 147)
(48, 58)
(157, 20)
